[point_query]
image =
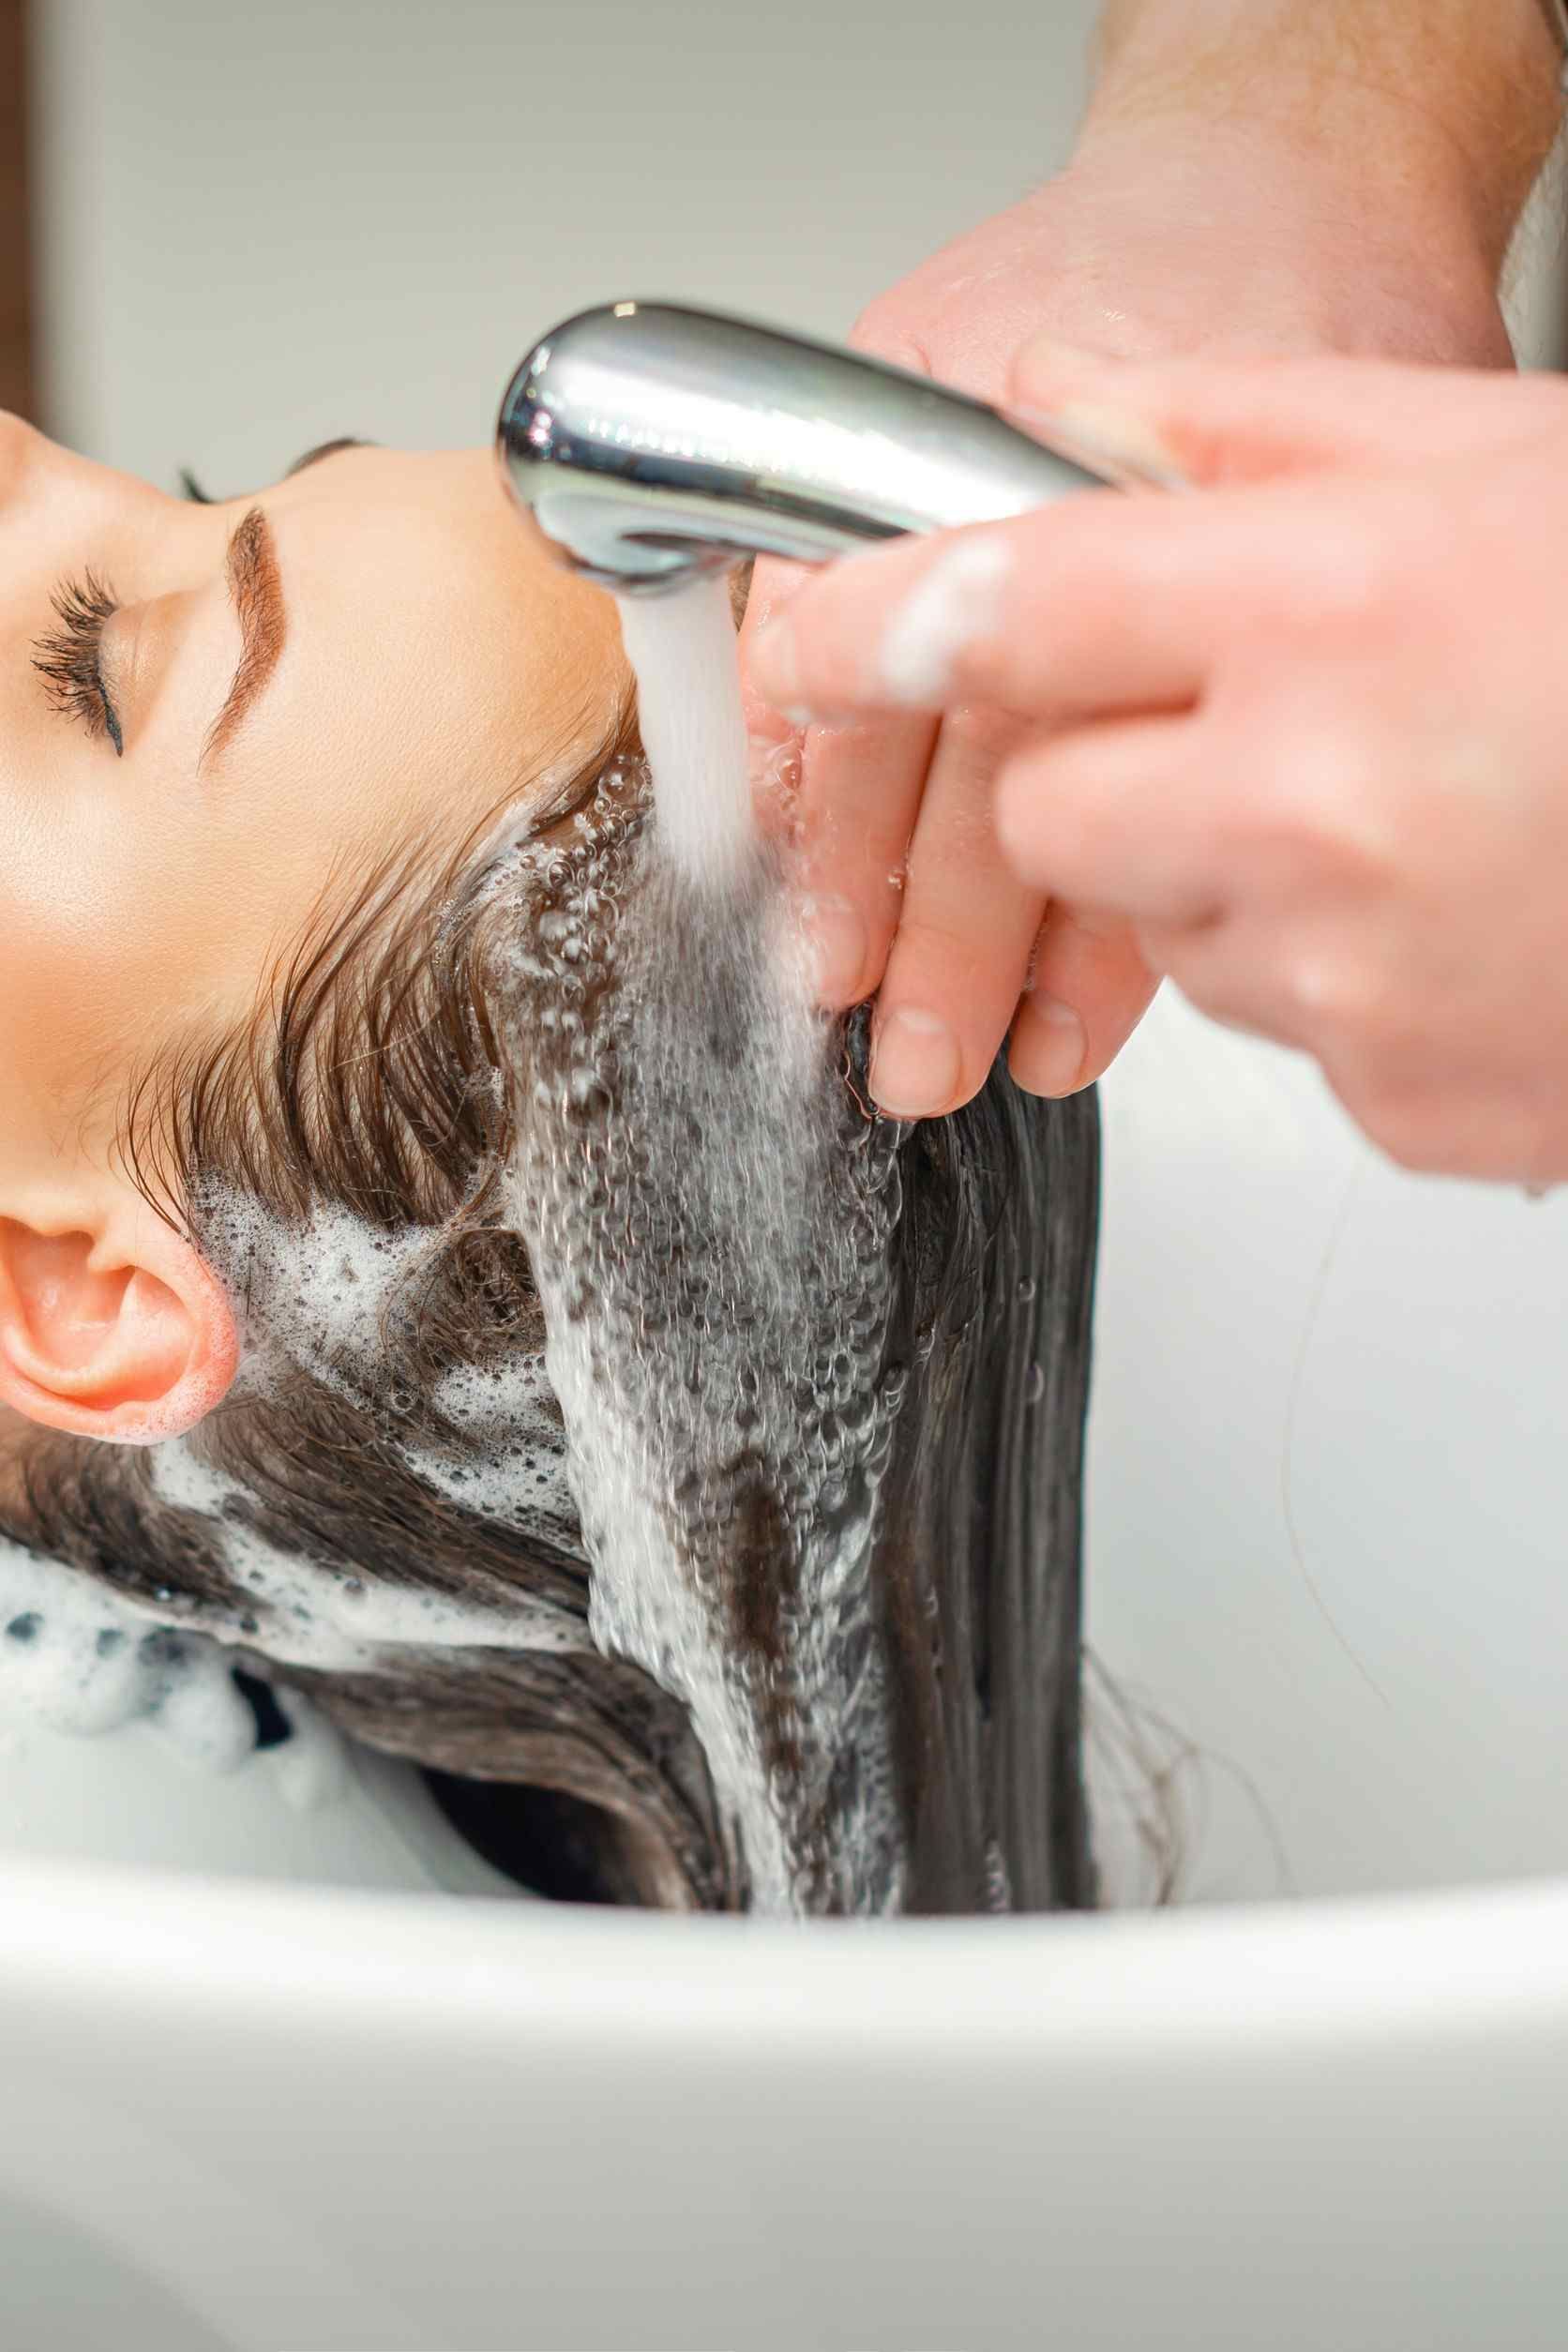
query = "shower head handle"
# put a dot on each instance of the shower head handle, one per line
(653, 443)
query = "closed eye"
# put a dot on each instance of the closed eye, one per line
(69, 659)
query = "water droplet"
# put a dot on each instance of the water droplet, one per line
(1034, 1385)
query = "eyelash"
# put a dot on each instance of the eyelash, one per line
(68, 658)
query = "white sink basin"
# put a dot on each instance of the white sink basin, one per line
(275, 2081)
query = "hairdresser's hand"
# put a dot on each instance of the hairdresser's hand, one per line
(1178, 233)
(1304, 732)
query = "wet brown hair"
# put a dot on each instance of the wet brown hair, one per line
(367, 1081)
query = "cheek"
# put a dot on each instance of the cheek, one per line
(97, 960)
(323, 803)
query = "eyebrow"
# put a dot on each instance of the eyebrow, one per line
(256, 592)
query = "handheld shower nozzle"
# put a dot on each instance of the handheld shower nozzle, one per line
(655, 444)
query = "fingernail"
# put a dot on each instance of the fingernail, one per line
(915, 1065)
(1054, 1047)
(835, 942)
(776, 669)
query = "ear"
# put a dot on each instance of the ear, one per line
(112, 1325)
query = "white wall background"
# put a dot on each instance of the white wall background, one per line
(265, 227)
(1330, 1424)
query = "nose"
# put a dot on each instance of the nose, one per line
(62, 514)
(21, 448)
(33, 468)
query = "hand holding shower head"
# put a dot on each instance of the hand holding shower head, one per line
(655, 444)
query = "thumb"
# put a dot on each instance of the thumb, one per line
(1211, 421)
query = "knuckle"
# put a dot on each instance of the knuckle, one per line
(1347, 577)
(1338, 996)
(1325, 815)
(969, 962)
(956, 948)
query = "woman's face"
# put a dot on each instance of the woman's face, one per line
(286, 686)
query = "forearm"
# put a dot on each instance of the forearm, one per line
(1442, 108)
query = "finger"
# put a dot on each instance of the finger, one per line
(774, 744)
(859, 797)
(853, 796)
(961, 955)
(1125, 817)
(860, 794)
(774, 582)
(1214, 421)
(1098, 605)
(1088, 990)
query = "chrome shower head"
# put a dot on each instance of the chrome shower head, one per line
(653, 443)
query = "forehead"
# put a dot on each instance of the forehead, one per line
(425, 618)
(434, 534)
(452, 494)
(438, 532)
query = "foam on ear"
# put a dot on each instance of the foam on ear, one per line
(123, 1335)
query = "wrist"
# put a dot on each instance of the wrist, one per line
(1285, 241)
(1434, 111)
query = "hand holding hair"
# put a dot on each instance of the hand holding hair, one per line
(1303, 736)
(1251, 176)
